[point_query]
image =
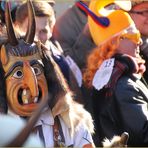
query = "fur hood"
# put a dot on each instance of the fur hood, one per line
(73, 113)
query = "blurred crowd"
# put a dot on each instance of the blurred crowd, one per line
(91, 62)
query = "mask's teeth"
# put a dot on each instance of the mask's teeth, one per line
(35, 99)
(24, 92)
(25, 96)
(25, 101)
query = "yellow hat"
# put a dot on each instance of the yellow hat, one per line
(119, 20)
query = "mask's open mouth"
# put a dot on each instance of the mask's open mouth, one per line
(25, 97)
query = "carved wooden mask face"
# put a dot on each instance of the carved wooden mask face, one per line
(25, 81)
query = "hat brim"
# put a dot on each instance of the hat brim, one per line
(124, 4)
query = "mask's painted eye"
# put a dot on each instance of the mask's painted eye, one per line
(18, 74)
(37, 70)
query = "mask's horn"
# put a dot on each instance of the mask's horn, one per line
(29, 38)
(10, 31)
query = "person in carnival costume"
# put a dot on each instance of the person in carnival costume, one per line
(45, 21)
(114, 71)
(29, 75)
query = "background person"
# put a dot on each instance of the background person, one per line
(72, 32)
(45, 20)
(139, 14)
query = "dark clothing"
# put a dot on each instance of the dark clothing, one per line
(144, 53)
(122, 105)
(63, 66)
(59, 58)
(3, 103)
(73, 35)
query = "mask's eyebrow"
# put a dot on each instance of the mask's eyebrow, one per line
(33, 62)
(17, 64)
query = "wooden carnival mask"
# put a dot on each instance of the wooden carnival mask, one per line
(21, 60)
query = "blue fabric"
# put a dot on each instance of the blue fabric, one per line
(103, 21)
(63, 66)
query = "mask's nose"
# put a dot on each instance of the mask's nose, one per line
(30, 80)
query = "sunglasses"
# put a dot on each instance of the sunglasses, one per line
(144, 13)
(135, 37)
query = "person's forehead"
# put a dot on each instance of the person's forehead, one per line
(42, 22)
(141, 6)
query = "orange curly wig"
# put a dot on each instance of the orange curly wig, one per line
(97, 56)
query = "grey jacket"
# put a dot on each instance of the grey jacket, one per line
(73, 35)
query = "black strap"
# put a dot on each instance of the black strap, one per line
(40, 130)
(59, 140)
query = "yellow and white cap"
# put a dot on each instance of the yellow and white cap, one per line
(119, 20)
